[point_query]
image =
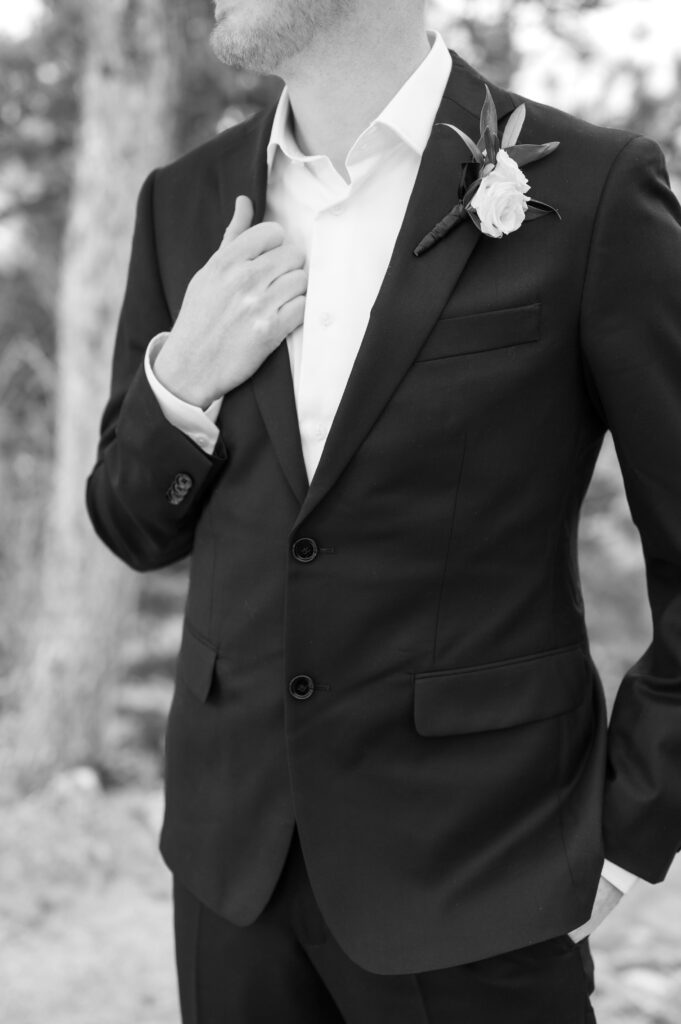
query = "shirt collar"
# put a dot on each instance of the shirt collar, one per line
(409, 114)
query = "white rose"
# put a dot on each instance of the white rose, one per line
(500, 200)
(507, 170)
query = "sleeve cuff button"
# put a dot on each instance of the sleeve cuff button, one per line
(179, 488)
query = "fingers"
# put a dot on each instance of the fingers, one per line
(278, 261)
(241, 220)
(279, 266)
(244, 240)
(255, 241)
(291, 315)
(288, 286)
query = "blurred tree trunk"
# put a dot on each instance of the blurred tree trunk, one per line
(72, 656)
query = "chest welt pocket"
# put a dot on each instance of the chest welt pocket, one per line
(482, 332)
(501, 694)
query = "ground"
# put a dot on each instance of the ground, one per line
(85, 910)
(86, 919)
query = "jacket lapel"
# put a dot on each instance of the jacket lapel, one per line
(245, 173)
(409, 301)
(414, 289)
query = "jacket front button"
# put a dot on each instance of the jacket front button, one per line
(301, 687)
(304, 549)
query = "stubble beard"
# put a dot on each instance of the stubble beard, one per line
(269, 41)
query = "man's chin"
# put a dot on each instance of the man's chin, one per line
(238, 53)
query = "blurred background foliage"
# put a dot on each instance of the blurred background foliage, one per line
(612, 61)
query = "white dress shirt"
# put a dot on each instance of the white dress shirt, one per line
(347, 230)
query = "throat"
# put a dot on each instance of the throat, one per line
(333, 104)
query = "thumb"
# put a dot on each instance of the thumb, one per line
(242, 219)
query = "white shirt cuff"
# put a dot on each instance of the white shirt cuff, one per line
(617, 876)
(197, 424)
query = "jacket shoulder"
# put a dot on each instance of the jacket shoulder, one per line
(204, 160)
(585, 139)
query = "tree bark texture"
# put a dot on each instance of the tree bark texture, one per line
(72, 656)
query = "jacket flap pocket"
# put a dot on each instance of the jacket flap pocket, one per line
(196, 663)
(480, 332)
(502, 694)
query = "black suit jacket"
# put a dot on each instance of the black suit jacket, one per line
(450, 773)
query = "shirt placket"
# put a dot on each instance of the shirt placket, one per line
(322, 372)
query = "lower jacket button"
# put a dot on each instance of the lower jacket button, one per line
(301, 687)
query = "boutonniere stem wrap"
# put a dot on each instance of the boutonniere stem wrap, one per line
(493, 191)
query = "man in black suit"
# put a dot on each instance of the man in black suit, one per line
(391, 791)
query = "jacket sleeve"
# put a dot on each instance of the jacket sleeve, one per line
(631, 338)
(150, 480)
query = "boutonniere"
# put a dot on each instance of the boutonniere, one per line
(492, 189)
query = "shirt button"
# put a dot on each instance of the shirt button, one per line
(337, 211)
(318, 432)
(326, 319)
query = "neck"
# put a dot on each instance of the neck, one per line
(338, 87)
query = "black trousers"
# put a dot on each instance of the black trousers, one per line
(286, 968)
